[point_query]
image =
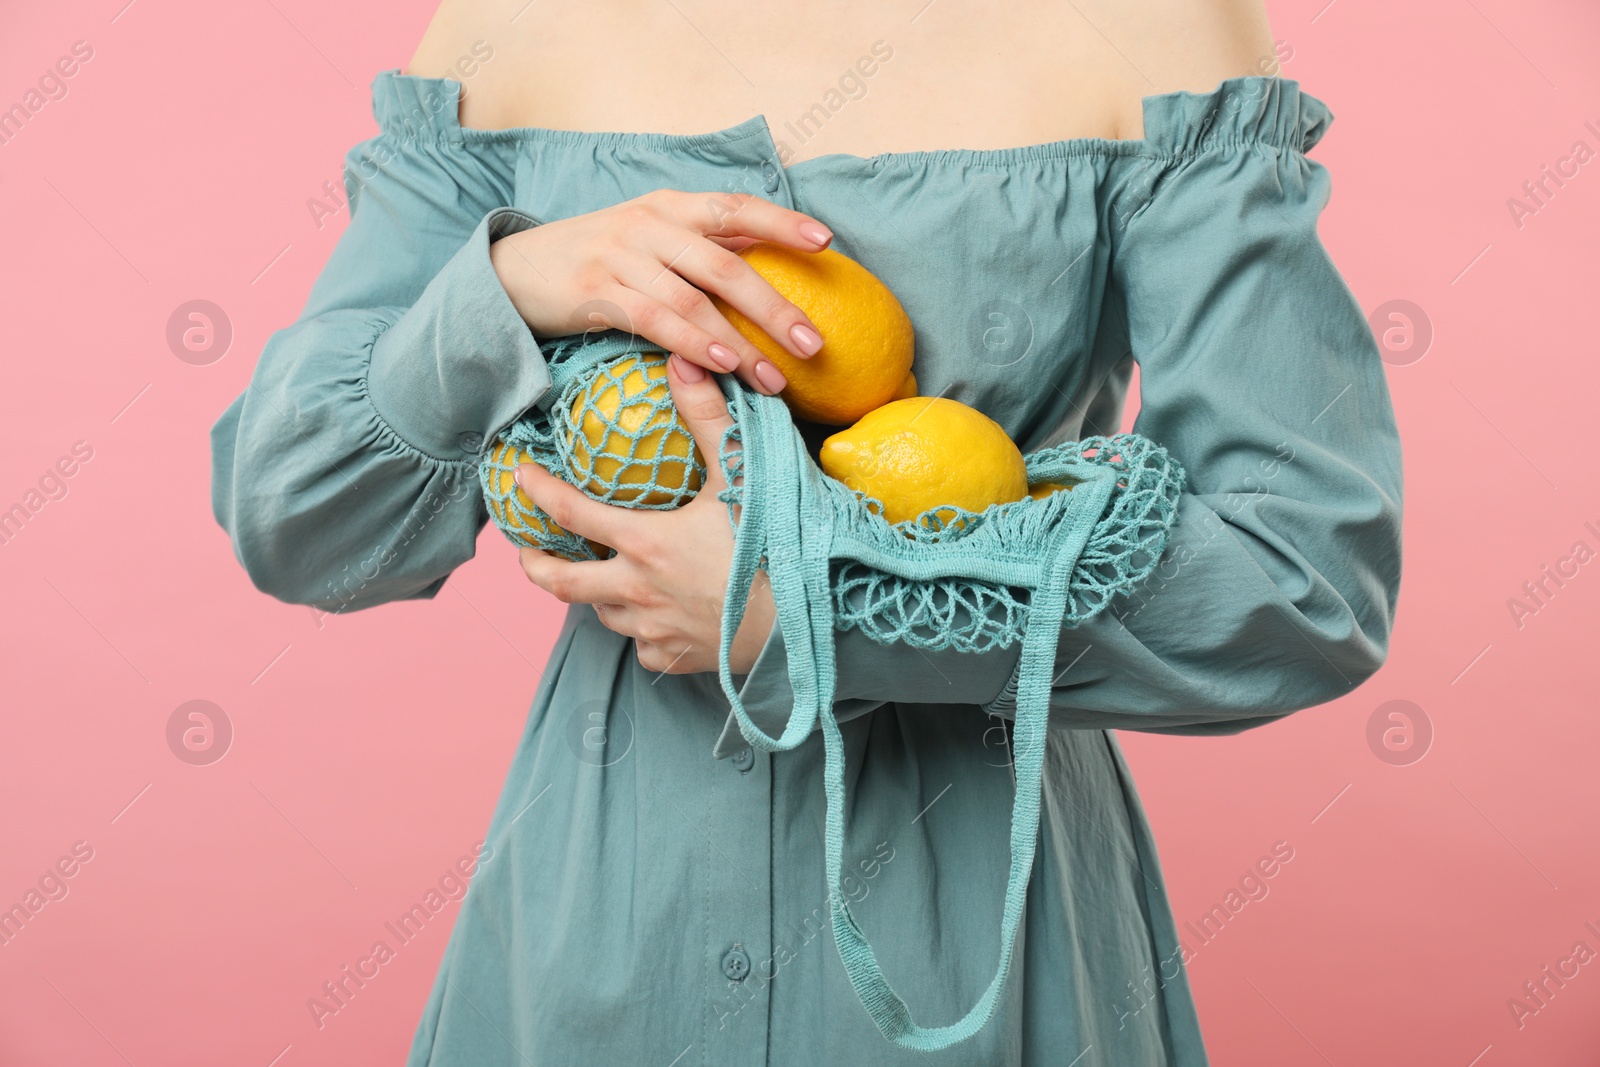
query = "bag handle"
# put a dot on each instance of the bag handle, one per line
(768, 504)
(888, 1010)
(772, 512)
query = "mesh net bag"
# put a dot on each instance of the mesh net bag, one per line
(974, 581)
(607, 426)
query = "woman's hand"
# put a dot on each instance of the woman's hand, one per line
(666, 584)
(641, 266)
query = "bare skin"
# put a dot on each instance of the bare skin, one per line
(963, 73)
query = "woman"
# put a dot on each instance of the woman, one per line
(1131, 186)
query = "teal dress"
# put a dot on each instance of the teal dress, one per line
(653, 891)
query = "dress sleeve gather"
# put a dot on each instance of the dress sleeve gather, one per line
(1259, 374)
(345, 474)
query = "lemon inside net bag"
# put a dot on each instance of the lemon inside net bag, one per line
(976, 581)
(608, 427)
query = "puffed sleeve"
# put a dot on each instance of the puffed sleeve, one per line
(1260, 375)
(1258, 371)
(345, 474)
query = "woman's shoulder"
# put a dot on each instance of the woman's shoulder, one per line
(1184, 45)
(473, 42)
(1201, 42)
(500, 51)
(455, 24)
(506, 52)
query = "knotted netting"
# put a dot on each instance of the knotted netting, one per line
(972, 615)
(607, 427)
(951, 578)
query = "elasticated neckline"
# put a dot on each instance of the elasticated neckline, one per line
(1253, 109)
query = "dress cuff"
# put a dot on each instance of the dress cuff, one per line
(461, 364)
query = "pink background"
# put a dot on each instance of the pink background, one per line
(1420, 897)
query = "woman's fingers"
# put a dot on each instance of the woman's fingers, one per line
(646, 628)
(714, 268)
(744, 215)
(729, 222)
(701, 267)
(639, 296)
(704, 410)
(576, 511)
(647, 265)
(572, 582)
(732, 244)
(705, 338)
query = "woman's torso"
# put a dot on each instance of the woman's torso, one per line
(998, 249)
(612, 907)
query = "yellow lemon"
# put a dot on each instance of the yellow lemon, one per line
(1040, 490)
(867, 341)
(918, 454)
(628, 445)
(515, 512)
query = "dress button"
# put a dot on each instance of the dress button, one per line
(744, 759)
(770, 173)
(469, 440)
(736, 964)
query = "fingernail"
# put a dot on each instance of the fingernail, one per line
(689, 372)
(723, 356)
(770, 377)
(813, 232)
(806, 338)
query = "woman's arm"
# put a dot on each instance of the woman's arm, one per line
(345, 473)
(1259, 374)
(1258, 371)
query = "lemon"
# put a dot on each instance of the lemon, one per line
(867, 341)
(1040, 490)
(627, 444)
(923, 453)
(515, 512)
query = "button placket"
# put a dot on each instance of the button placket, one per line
(738, 921)
(738, 807)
